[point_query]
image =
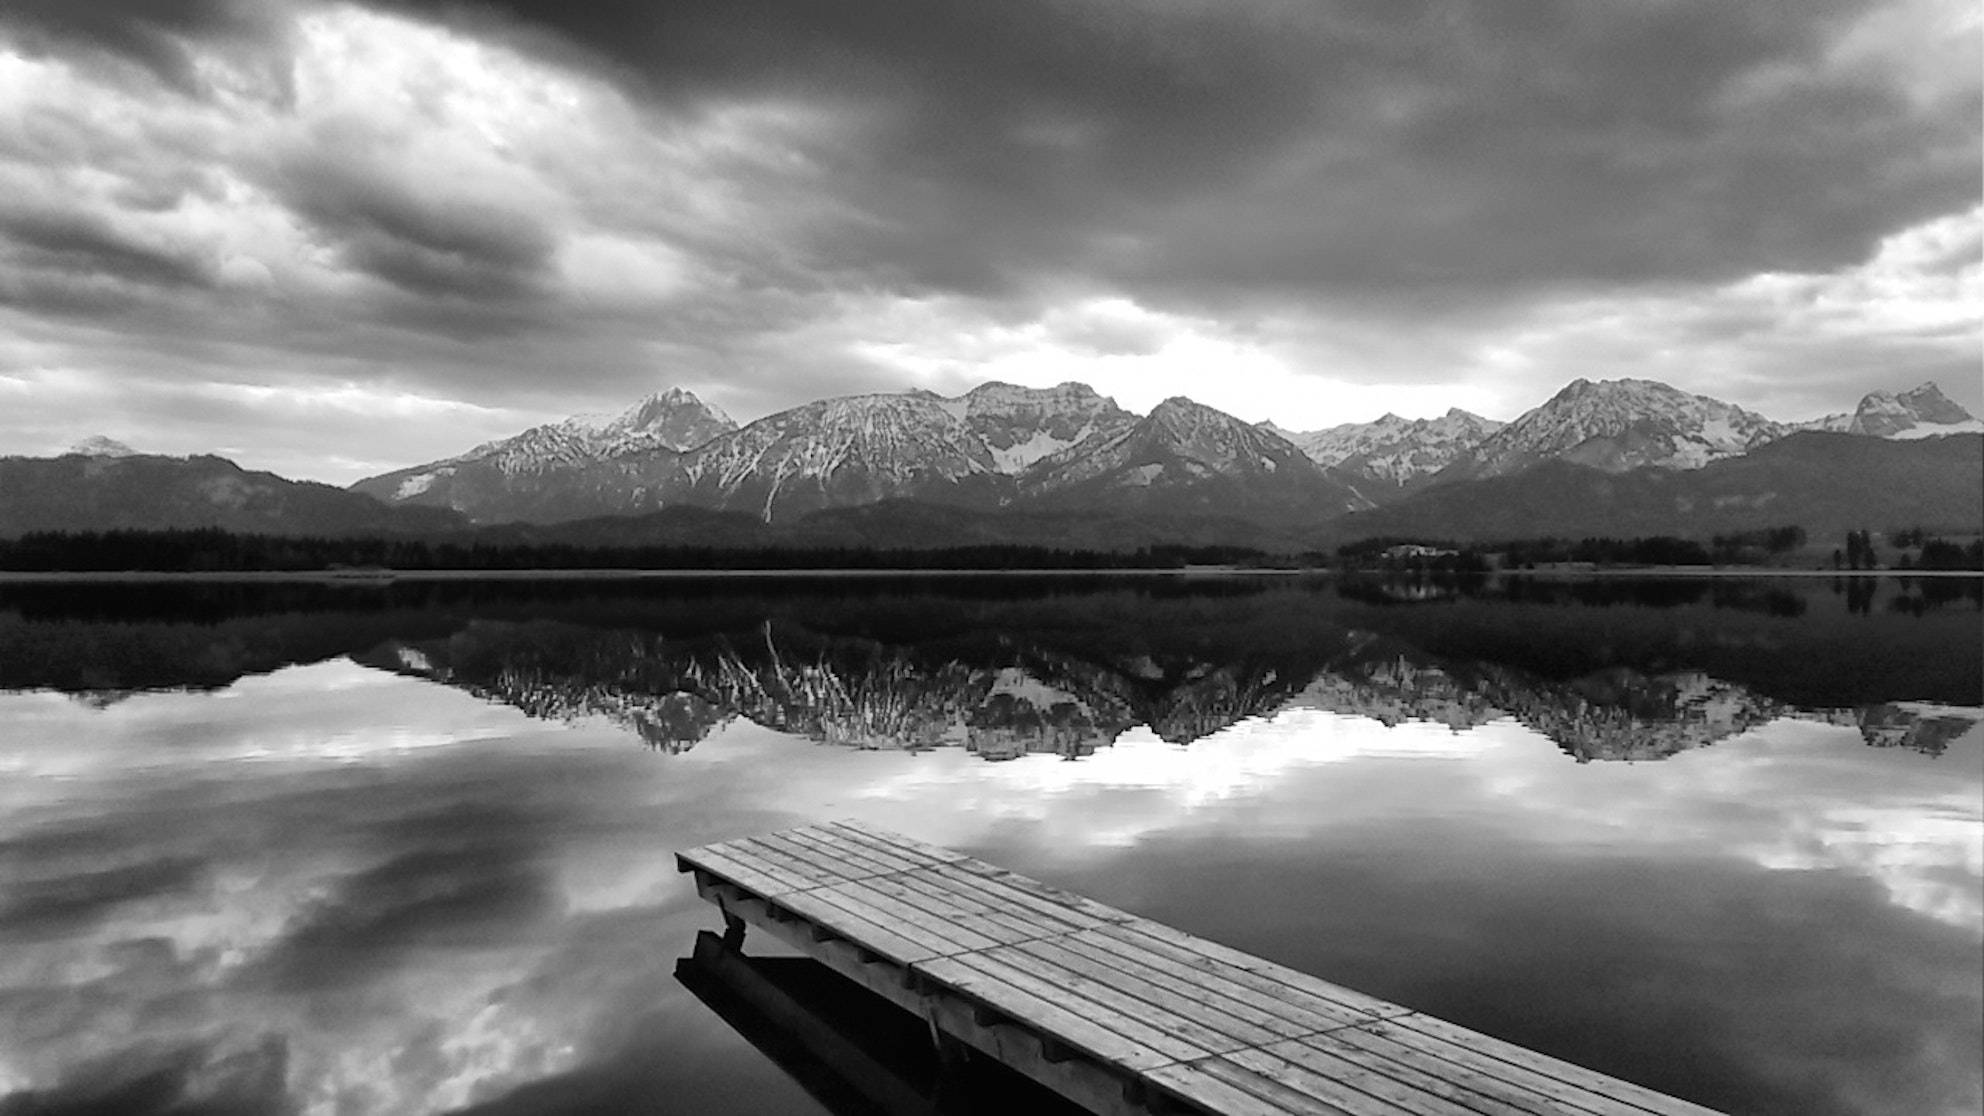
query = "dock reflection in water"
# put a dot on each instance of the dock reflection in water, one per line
(853, 1052)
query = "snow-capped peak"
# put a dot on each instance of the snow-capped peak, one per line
(1617, 425)
(1394, 449)
(1923, 412)
(97, 445)
(672, 419)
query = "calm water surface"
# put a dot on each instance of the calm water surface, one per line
(406, 848)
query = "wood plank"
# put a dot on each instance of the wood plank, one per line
(1238, 991)
(1272, 992)
(1042, 1009)
(1492, 1096)
(1182, 1017)
(794, 877)
(1002, 927)
(855, 863)
(982, 874)
(822, 872)
(1201, 1010)
(1178, 1037)
(904, 945)
(1591, 1090)
(839, 836)
(1298, 1082)
(908, 845)
(1220, 1086)
(993, 890)
(750, 875)
(1185, 1082)
(865, 902)
(848, 843)
(1312, 988)
(1344, 1081)
(1230, 1014)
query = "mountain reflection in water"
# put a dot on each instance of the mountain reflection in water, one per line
(270, 848)
(1606, 669)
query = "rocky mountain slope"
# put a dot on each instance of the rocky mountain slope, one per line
(1394, 452)
(1826, 483)
(1616, 425)
(1185, 455)
(585, 465)
(1924, 412)
(838, 452)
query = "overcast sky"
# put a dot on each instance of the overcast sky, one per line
(333, 239)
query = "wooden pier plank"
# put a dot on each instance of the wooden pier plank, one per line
(1218, 1085)
(1246, 967)
(1276, 1019)
(1427, 1070)
(998, 895)
(1579, 1089)
(1003, 927)
(1222, 1017)
(858, 862)
(1047, 1007)
(1315, 1069)
(1316, 1005)
(1109, 999)
(1034, 975)
(905, 945)
(842, 835)
(744, 870)
(908, 845)
(1293, 1015)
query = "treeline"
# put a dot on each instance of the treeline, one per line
(1746, 548)
(1930, 552)
(1654, 550)
(211, 550)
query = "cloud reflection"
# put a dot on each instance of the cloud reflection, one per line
(341, 890)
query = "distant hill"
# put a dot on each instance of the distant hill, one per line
(97, 491)
(1826, 483)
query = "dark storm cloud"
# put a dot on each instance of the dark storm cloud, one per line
(1336, 147)
(437, 244)
(158, 35)
(82, 244)
(416, 202)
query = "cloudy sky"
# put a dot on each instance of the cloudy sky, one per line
(336, 238)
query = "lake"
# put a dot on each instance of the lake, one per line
(407, 847)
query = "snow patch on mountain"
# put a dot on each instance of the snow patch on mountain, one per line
(419, 483)
(1021, 426)
(1618, 425)
(97, 445)
(1923, 412)
(1196, 453)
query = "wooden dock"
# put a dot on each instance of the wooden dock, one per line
(1118, 1013)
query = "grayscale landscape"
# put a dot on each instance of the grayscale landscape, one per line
(1478, 505)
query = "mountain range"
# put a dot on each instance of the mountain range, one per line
(1002, 464)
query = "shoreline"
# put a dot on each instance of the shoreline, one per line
(387, 577)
